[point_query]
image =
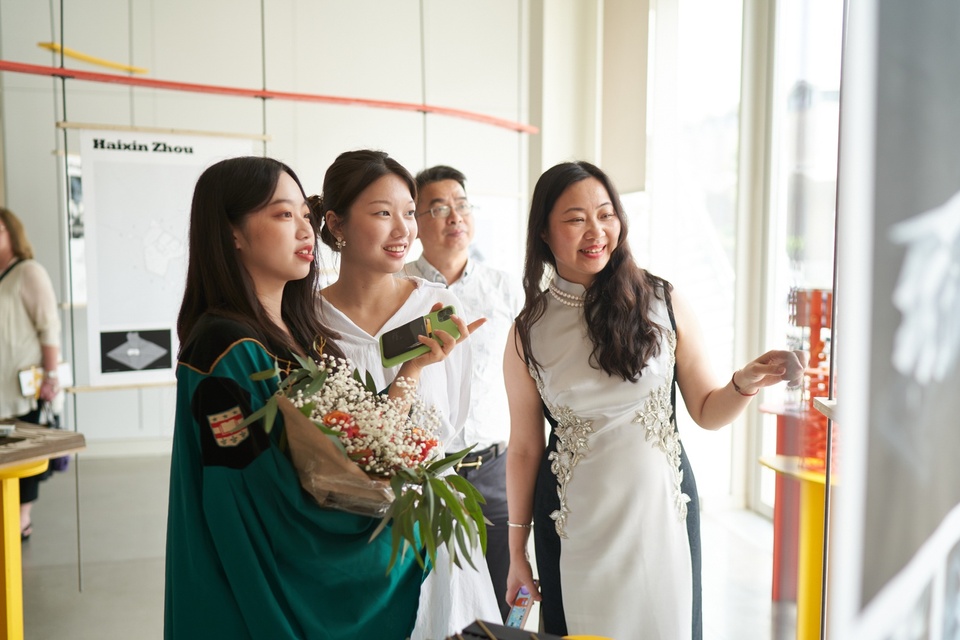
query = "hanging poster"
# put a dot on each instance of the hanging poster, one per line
(137, 189)
(895, 564)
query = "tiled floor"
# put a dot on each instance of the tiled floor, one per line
(123, 504)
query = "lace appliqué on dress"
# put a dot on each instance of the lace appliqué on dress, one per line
(654, 416)
(572, 435)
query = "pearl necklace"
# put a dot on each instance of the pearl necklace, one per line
(565, 298)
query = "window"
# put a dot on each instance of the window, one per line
(805, 129)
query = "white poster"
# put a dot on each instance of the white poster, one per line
(895, 562)
(137, 190)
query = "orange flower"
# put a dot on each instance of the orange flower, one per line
(342, 421)
(427, 448)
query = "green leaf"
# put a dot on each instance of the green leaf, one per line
(403, 550)
(446, 524)
(370, 384)
(427, 497)
(395, 541)
(463, 485)
(297, 385)
(404, 516)
(471, 501)
(271, 414)
(427, 533)
(256, 415)
(467, 493)
(445, 463)
(459, 515)
(266, 374)
(316, 384)
(306, 383)
(307, 409)
(383, 525)
(451, 500)
(471, 532)
(451, 510)
(409, 475)
(307, 363)
(465, 548)
(410, 536)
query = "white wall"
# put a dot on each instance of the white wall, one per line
(475, 60)
(524, 60)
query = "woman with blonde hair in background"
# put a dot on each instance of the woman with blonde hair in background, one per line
(29, 337)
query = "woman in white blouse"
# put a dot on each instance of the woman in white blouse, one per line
(368, 207)
(29, 337)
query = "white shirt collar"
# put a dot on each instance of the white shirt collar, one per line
(433, 275)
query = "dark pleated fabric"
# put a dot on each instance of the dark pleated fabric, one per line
(689, 487)
(546, 540)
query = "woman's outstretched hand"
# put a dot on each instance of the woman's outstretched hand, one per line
(771, 368)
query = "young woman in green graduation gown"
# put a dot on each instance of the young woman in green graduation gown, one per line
(249, 555)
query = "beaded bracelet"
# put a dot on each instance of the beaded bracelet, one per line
(736, 388)
(519, 526)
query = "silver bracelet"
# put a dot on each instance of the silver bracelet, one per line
(519, 526)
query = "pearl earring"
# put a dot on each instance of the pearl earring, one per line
(341, 243)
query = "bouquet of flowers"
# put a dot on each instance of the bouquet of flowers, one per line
(360, 451)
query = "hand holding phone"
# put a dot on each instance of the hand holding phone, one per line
(401, 344)
(520, 610)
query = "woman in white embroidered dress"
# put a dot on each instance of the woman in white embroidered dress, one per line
(611, 494)
(368, 206)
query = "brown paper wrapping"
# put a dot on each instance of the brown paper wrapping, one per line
(326, 473)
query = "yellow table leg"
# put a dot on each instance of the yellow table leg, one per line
(11, 587)
(810, 560)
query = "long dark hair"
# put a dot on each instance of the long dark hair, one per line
(217, 282)
(347, 177)
(617, 303)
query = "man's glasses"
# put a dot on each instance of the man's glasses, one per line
(444, 211)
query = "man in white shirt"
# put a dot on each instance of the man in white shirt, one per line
(446, 223)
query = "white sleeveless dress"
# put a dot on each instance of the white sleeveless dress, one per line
(613, 544)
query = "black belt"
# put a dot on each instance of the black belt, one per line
(477, 458)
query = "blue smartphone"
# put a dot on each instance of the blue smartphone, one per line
(520, 610)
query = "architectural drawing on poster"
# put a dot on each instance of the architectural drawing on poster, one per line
(927, 294)
(137, 192)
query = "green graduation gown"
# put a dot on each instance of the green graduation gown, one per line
(249, 554)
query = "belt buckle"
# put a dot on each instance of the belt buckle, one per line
(471, 465)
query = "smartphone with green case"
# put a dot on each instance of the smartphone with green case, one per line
(401, 344)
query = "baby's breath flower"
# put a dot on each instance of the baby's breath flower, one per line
(393, 433)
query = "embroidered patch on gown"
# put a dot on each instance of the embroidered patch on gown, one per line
(573, 433)
(654, 417)
(227, 431)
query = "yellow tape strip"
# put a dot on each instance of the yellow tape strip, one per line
(70, 53)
